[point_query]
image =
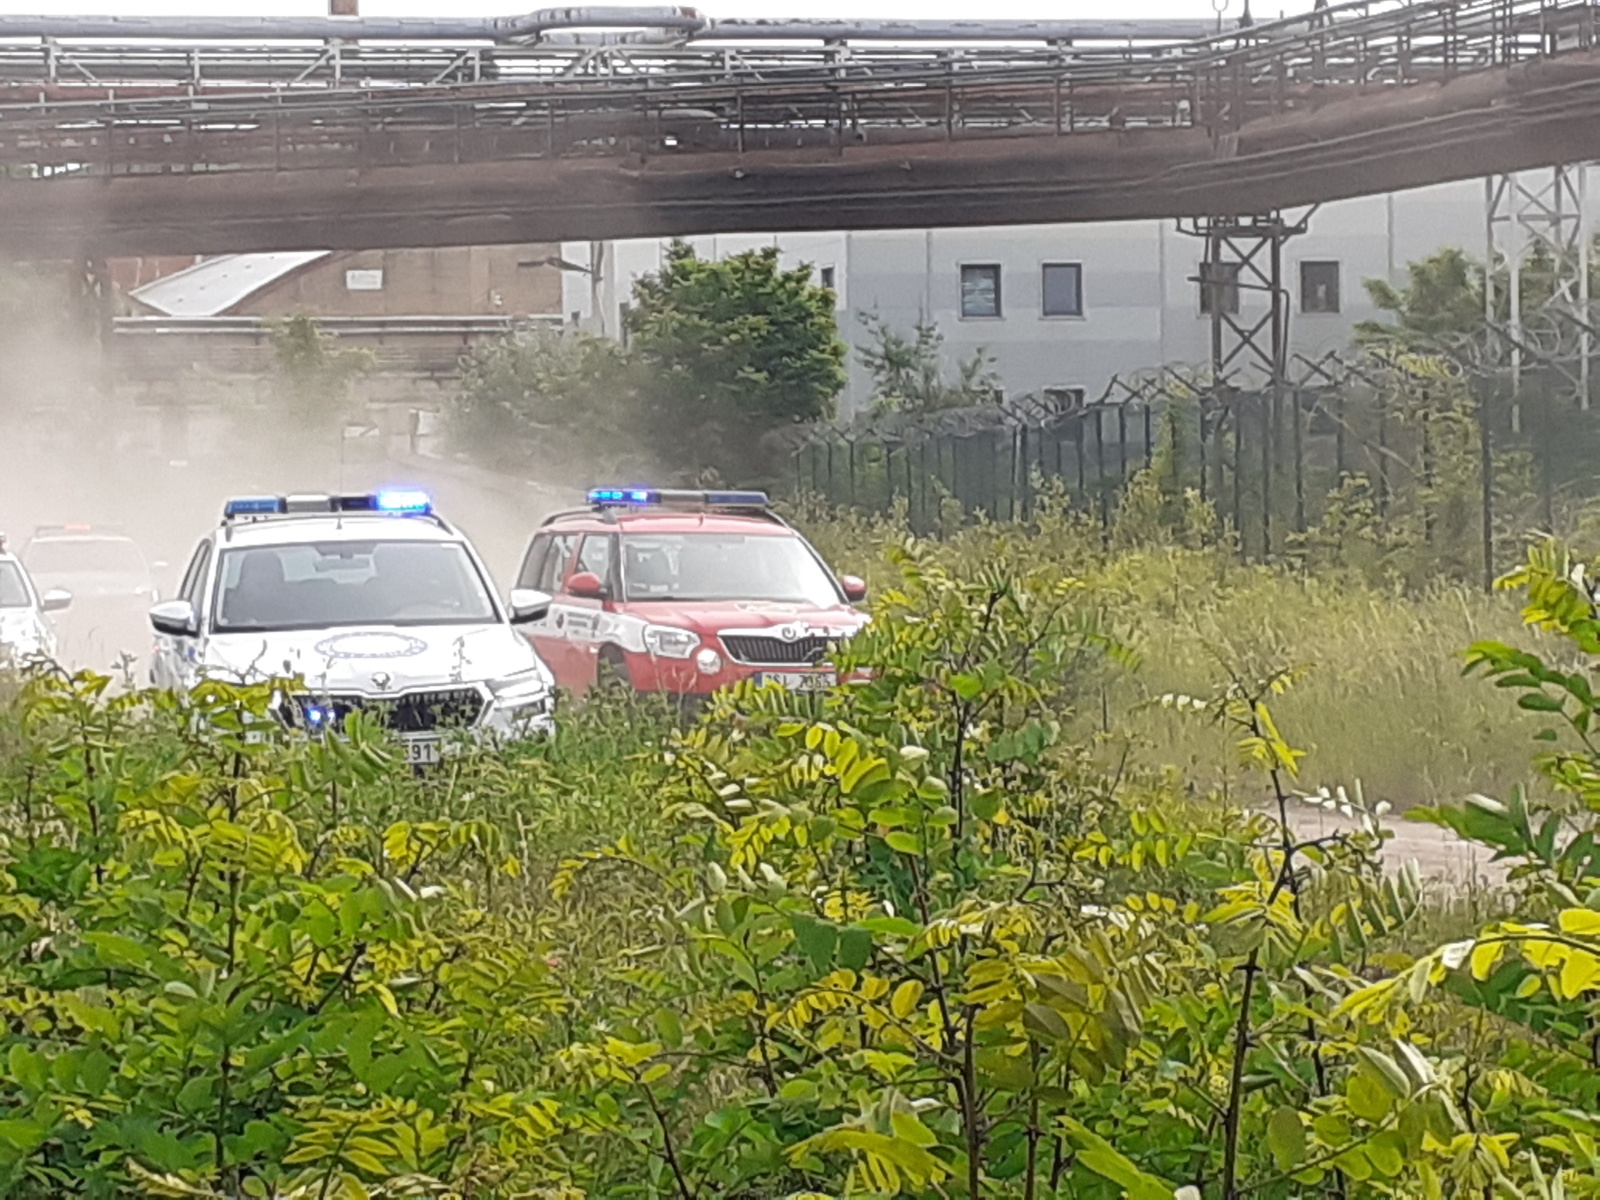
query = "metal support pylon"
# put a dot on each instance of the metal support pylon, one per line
(1537, 223)
(1242, 282)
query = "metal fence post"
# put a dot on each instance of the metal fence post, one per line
(1486, 470)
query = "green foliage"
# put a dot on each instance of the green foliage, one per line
(545, 398)
(720, 358)
(732, 348)
(229, 969)
(948, 929)
(1445, 297)
(908, 374)
(1530, 984)
(314, 372)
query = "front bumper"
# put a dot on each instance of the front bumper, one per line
(682, 677)
(429, 716)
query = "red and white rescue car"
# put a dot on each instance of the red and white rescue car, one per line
(684, 592)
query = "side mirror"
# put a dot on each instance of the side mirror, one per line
(175, 618)
(855, 588)
(587, 584)
(55, 600)
(529, 605)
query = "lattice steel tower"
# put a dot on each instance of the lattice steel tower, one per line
(1538, 222)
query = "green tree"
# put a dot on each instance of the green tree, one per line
(1444, 299)
(547, 398)
(1445, 296)
(732, 348)
(908, 376)
(314, 372)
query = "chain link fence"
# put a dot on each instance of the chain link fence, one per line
(1428, 449)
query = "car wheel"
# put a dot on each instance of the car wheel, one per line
(611, 677)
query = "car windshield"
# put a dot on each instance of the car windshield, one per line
(724, 566)
(328, 584)
(13, 588)
(72, 556)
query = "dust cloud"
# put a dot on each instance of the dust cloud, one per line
(78, 445)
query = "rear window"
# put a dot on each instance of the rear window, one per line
(68, 556)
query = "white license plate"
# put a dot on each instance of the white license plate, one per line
(422, 751)
(799, 681)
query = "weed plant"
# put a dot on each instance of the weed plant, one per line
(1380, 698)
(958, 929)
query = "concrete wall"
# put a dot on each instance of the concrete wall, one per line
(459, 281)
(1141, 300)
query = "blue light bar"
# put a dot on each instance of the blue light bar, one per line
(614, 497)
(252, 506)
(624, 496)
(403, 501)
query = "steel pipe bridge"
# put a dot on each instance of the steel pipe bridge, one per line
(204, 136)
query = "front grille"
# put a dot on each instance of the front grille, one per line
(413, 712)
(761, 650)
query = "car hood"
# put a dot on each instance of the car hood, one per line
(87, 585)
(715, 616)
(374, 659)
(20, 628)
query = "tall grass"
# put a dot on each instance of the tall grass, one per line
(1381, 699)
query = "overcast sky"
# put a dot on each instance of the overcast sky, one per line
(937, 9)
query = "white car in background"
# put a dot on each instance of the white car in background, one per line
(112, 587)
(375, 602)
(24, 631)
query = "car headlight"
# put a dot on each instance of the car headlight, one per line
(524, 692)
(665, 641)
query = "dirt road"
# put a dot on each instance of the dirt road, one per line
(1444, 858)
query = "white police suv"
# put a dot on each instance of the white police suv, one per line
(375, 601)
(24, 633)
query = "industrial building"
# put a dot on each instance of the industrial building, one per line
(1065, 308)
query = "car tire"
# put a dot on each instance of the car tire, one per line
(611, 676)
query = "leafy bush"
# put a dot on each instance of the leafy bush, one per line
(232, 964)
(908, 376)
(540, 399)
(943, 930)
(720, 358)
(732, 348)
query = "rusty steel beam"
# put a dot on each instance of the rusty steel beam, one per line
(1515, 119)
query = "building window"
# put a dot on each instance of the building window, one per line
(826, 276)
(980, 290)
(1319, 287)
(1063, 399)
(1219, 288)
(1063, 289)
(364, 280)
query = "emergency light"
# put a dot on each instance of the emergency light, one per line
(401, 502)
(613, 497)
(252, 506)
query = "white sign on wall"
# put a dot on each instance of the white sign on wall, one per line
(364, 280)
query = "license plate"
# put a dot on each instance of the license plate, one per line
(799, 681)
(422, 751)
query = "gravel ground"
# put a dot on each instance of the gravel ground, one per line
(1443, 857)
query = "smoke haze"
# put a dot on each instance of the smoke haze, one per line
(161, 469)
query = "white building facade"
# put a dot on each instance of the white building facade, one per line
(1070, 306)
